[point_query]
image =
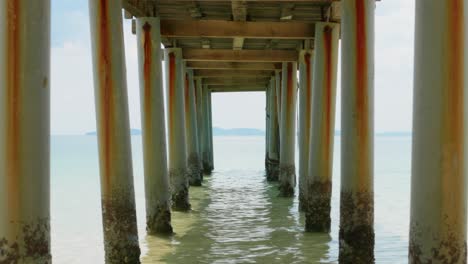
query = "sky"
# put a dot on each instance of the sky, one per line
(72, 77)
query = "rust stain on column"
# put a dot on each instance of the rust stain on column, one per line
(327, 36)
(106, 92)
(289, 99)
(148, 57)
(308, 110)
(362, 103)
(172, 84)
(187, 95)
(454, 133)
(13, 106)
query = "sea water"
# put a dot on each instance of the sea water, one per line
(236, 217)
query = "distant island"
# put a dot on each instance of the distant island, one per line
(218, 131)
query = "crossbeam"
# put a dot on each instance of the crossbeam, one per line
(240, 55)
(237, 88)
(232, 73)
(223, 65)
(236, 80)
(237, 29)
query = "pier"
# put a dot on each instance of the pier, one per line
(287, 49)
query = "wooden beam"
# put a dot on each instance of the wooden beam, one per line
(236, 81)
(222, 65)
(233, 29)
(237, 88)
(232, 73)
(239, 13)
(240, 55)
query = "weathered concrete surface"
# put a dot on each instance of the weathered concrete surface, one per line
(357, 132)
(287, 168)
(305, 117)
(320, 158)
(110, 85)
(157, 190)
(207, 166)
(175, 86)
(191, 130)
(200, 124)
(438, 187)
(24, 131)
(273, 127)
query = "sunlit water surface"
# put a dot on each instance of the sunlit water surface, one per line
(237, 216)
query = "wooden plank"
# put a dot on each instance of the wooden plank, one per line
(232, 73)
(240, 55)
(236, 81)
(239, 29)
(222, 65)
(237, 88)
(239, 13)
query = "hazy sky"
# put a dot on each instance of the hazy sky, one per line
(72, 84)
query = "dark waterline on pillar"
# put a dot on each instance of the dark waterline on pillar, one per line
(318, 206)
(356, 235)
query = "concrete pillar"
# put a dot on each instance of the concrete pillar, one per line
(278, 94)
(210, 131)
(115, 156)
(273, 143)
(357, 132)
(206, 134)
(191, 132)
(438, 187)
(267, 126)
(200, 126)
(24, 131)
(176, 128)
(157, 192)
(320, 170)
(305, 115)
(287, 168)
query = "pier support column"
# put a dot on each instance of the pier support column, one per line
(25, 131)
(438, 186)
(273, 127)
(200, 126)
(157, 192)
(206, 133)
(267, 127)
(210, 131)
(305, 115)
(191, 131)
(287, 168)
(178, 175)
(320, 170)
(115, 156)
(357, 136)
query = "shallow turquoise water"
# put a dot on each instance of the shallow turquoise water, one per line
(236, 217)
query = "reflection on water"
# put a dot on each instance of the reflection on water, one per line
(238, 217)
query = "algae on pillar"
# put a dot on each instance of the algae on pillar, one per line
(273, 142)
(287, 168)
(305, 115)
(357, 132)
(157, 191)
(438, 184)
(115, 156)
(193, 160)
(320, 170)
(176, 128)
(25, 131)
